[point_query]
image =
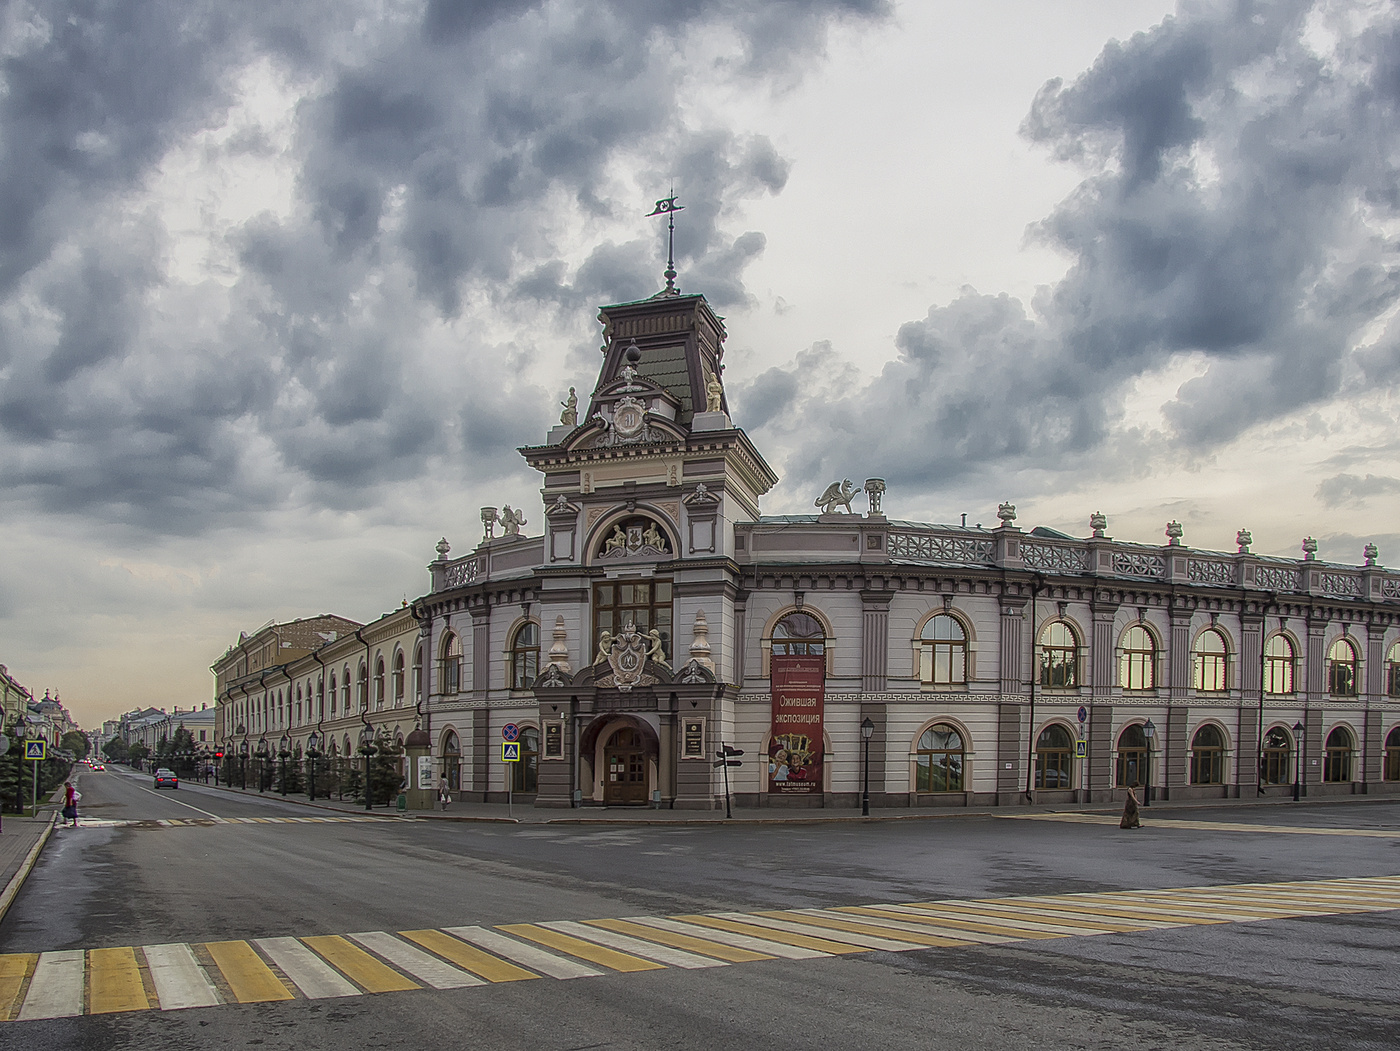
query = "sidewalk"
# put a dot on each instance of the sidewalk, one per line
(526, 813)
(22, 840)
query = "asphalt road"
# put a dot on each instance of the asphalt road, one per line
(1318, 981)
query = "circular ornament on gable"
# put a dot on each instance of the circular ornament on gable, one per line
(629, 418)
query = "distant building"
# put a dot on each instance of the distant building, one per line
(656, 615)
(13, 698)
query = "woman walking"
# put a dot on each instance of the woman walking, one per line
(1130, 811)
(444, 792)
(70, 803)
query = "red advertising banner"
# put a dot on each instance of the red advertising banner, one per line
(795, 747)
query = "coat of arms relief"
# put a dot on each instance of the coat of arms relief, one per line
(626, 654)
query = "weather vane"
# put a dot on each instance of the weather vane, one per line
(668, 207)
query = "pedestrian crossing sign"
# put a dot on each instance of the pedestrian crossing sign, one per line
(35, 749)
(1081, 749)
(510, 751)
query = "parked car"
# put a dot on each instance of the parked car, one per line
(166, 778)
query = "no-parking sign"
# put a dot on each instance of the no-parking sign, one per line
(510, 732)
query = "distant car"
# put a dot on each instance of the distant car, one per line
(98, 766)
(166, 778)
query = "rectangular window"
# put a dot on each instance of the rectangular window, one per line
(1278, 675)
(646, 605)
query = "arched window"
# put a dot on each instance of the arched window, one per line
(362, 687)
(1132, 756)
(1208, 756)
(943, 651)
(1276, 758)
(332, 693)
(417, 672)
(1059, 656)
(799, 635)
(450, 666)
(525, 658)
(1337, 756)
(1391, 765)
(939, 760)
(527, 771)
(1054, 758)
(379, 683)
(398, 678)
(1341, 669)
(1137, 668)
(345, 689)
(1208, 664)
(452, 760)
(321, 696)
(1278, 665)
(1392, 672)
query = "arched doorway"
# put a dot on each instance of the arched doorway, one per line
(625, 768)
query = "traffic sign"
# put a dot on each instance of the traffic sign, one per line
(1083, 713)
(35, 749)
(510, 732)
(1080, 749)
(510, 752)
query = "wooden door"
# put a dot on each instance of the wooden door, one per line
(624, 769)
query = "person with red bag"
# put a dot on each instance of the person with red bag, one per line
(71, 795)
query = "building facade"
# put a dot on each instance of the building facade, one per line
(656, 616)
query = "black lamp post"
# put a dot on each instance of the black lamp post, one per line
(282, 753)
(262, 753)
(1149, 731)
(21, 735)
(313, 743)
(1300, 742)
(368, 749)
(867, 731)
(243, 765)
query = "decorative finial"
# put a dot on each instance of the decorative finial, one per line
(442, 548)
(874, 490)
(1371, 552)
(1244, 538)
(1098, 522)
(668, 207)
(700, 641)
(1309, 549)
(559, 652)
(1007, 513)
(488, 520)
(1174, 533)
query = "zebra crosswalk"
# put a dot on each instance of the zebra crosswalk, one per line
(196, 822)
(1200, 825)
(180, 976)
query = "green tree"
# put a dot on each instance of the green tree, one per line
(116, 750)
(138, 753)
(181, 752)
(76, 742)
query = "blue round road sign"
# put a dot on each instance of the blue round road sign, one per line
(1083, 713)
(510, 732)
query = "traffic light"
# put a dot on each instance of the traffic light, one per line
(218, 755)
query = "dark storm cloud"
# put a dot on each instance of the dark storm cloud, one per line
(1237, 187)
(444, 155)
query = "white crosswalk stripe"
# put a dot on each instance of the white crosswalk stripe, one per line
(56, 991)
(536, 959)
(415, 962)
(739, 941)
(647, 950)
(179, 979)
(313, 976)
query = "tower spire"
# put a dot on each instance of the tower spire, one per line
(667, 206)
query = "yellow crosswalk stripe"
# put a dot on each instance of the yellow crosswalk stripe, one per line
(114, 982)
(906, 914)
(251, 980)
(359, 966)
(469, 957)
(952, 917)
(618, 961)
(1017, 921)
(768, 934)
(1131, 921)
(15, 968)
(731, 953)
(1012, 908)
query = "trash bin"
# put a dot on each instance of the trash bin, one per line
(402, 803)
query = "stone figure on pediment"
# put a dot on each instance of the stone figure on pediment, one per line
(511, 521)
(714, 392)
(652, 537)
(569, 417)
(616, 542)
(837, 494)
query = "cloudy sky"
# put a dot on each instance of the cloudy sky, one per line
(283, 287)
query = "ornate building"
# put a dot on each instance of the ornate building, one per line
(657, 616)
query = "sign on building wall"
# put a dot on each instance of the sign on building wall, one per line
(693, 738)
(553, 741)
(425, 772)
(799, 702)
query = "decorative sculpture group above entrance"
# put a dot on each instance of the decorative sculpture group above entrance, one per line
(638, 537)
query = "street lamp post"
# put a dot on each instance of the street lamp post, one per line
(1149, 731)
(21, 735)
(367, 747)
(282, 753)
(262, 753)
(1300, 743)
(867, 731)
(313, 743)
(243, 766)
